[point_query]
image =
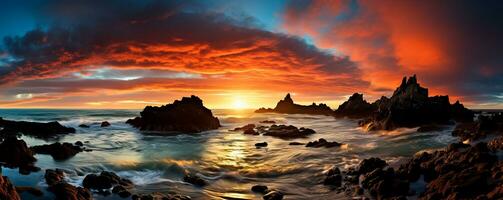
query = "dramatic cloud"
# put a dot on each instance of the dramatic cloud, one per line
(454, 46)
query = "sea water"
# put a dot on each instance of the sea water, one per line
(228, 160)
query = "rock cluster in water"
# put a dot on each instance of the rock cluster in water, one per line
(63, 190)
(355, 107)
(279, 131)
(410, 106)
(187, 115)
(484, 125)
(36, 129)
(287, 106)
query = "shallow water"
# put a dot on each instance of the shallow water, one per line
(227, 159)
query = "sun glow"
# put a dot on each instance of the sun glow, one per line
(239, 104)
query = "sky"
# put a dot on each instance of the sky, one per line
(245, 54)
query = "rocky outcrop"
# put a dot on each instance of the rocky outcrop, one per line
(194, 180)
(105, 124)
(104, 181)
(323, 143)
(62, 190)
(287, 132)
(15, 153)
(410, 106)
(487, 124)
(36, 129)
(287, 106)
(187, 115)
(355, 107)
(57, 150)
(7, 190)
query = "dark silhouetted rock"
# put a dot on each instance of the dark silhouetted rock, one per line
(259, 189)
(105, 124)
(194, 180)
(15, 153)
(187, 115)
(296, 143)
(7, 190)
(355, 107)
(104, 181)
(411, 107)
(273, 195)
(288, 132)
(57, 150)
(121, 191)
(323, 143)
(79, 143)
(261, 144)
(245, 127)
(370, 164)
(34, 128)
(61, 189)
(84, 126)
(267, 122)
(333, 177)
(287, 106)
(490, 124)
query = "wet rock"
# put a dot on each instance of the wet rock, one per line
(355, 107)
(273, 195)
(187, 115)
(57, 150)
(84, 126)
(105, 124)
(259, 189)
(287, 106)
(15, 153)
(54, 176)
(261, 144)
(484, 125)
(121, 191)
(34, 128)
(370, 164)
(267, 122)
(65, 191)
(245, 127)
(194, 180)
(385, 183)
(496, 144)
(410, 106)
(333, 177)
(288, 132)
(7, 190)
(33, 191)
(323, 143)
(105, 180)
(250, 132)
(295, 143)
(61, 189)
(79, 143)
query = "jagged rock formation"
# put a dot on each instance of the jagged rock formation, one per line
(355, 107)
(7, 190)
(287, 106)
(410, 107)
(187, 115)
(36, 129)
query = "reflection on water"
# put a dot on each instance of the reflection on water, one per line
(227, 159)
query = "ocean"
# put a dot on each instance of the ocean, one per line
(228, 160)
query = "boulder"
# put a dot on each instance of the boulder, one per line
(259, 189)
(245, 127)
(57, 150)
(7, 190)
(84, 126)
(104, 181)
(261, 144)
(54, 176)
(61, 189)
(36, 129)
(410, 106)
(121, 191)
(287, 106)
(15, 153)
(370, 164)
(323, 143)
(105, 124)
(187, 115)
(355, 107)
(288, 132)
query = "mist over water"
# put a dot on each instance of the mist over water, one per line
(229, 160)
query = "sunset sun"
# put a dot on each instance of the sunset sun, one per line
(239, 104)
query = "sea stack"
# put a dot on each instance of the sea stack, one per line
(287, 106)
(410, 106)
(355, 107)
(187, 115)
